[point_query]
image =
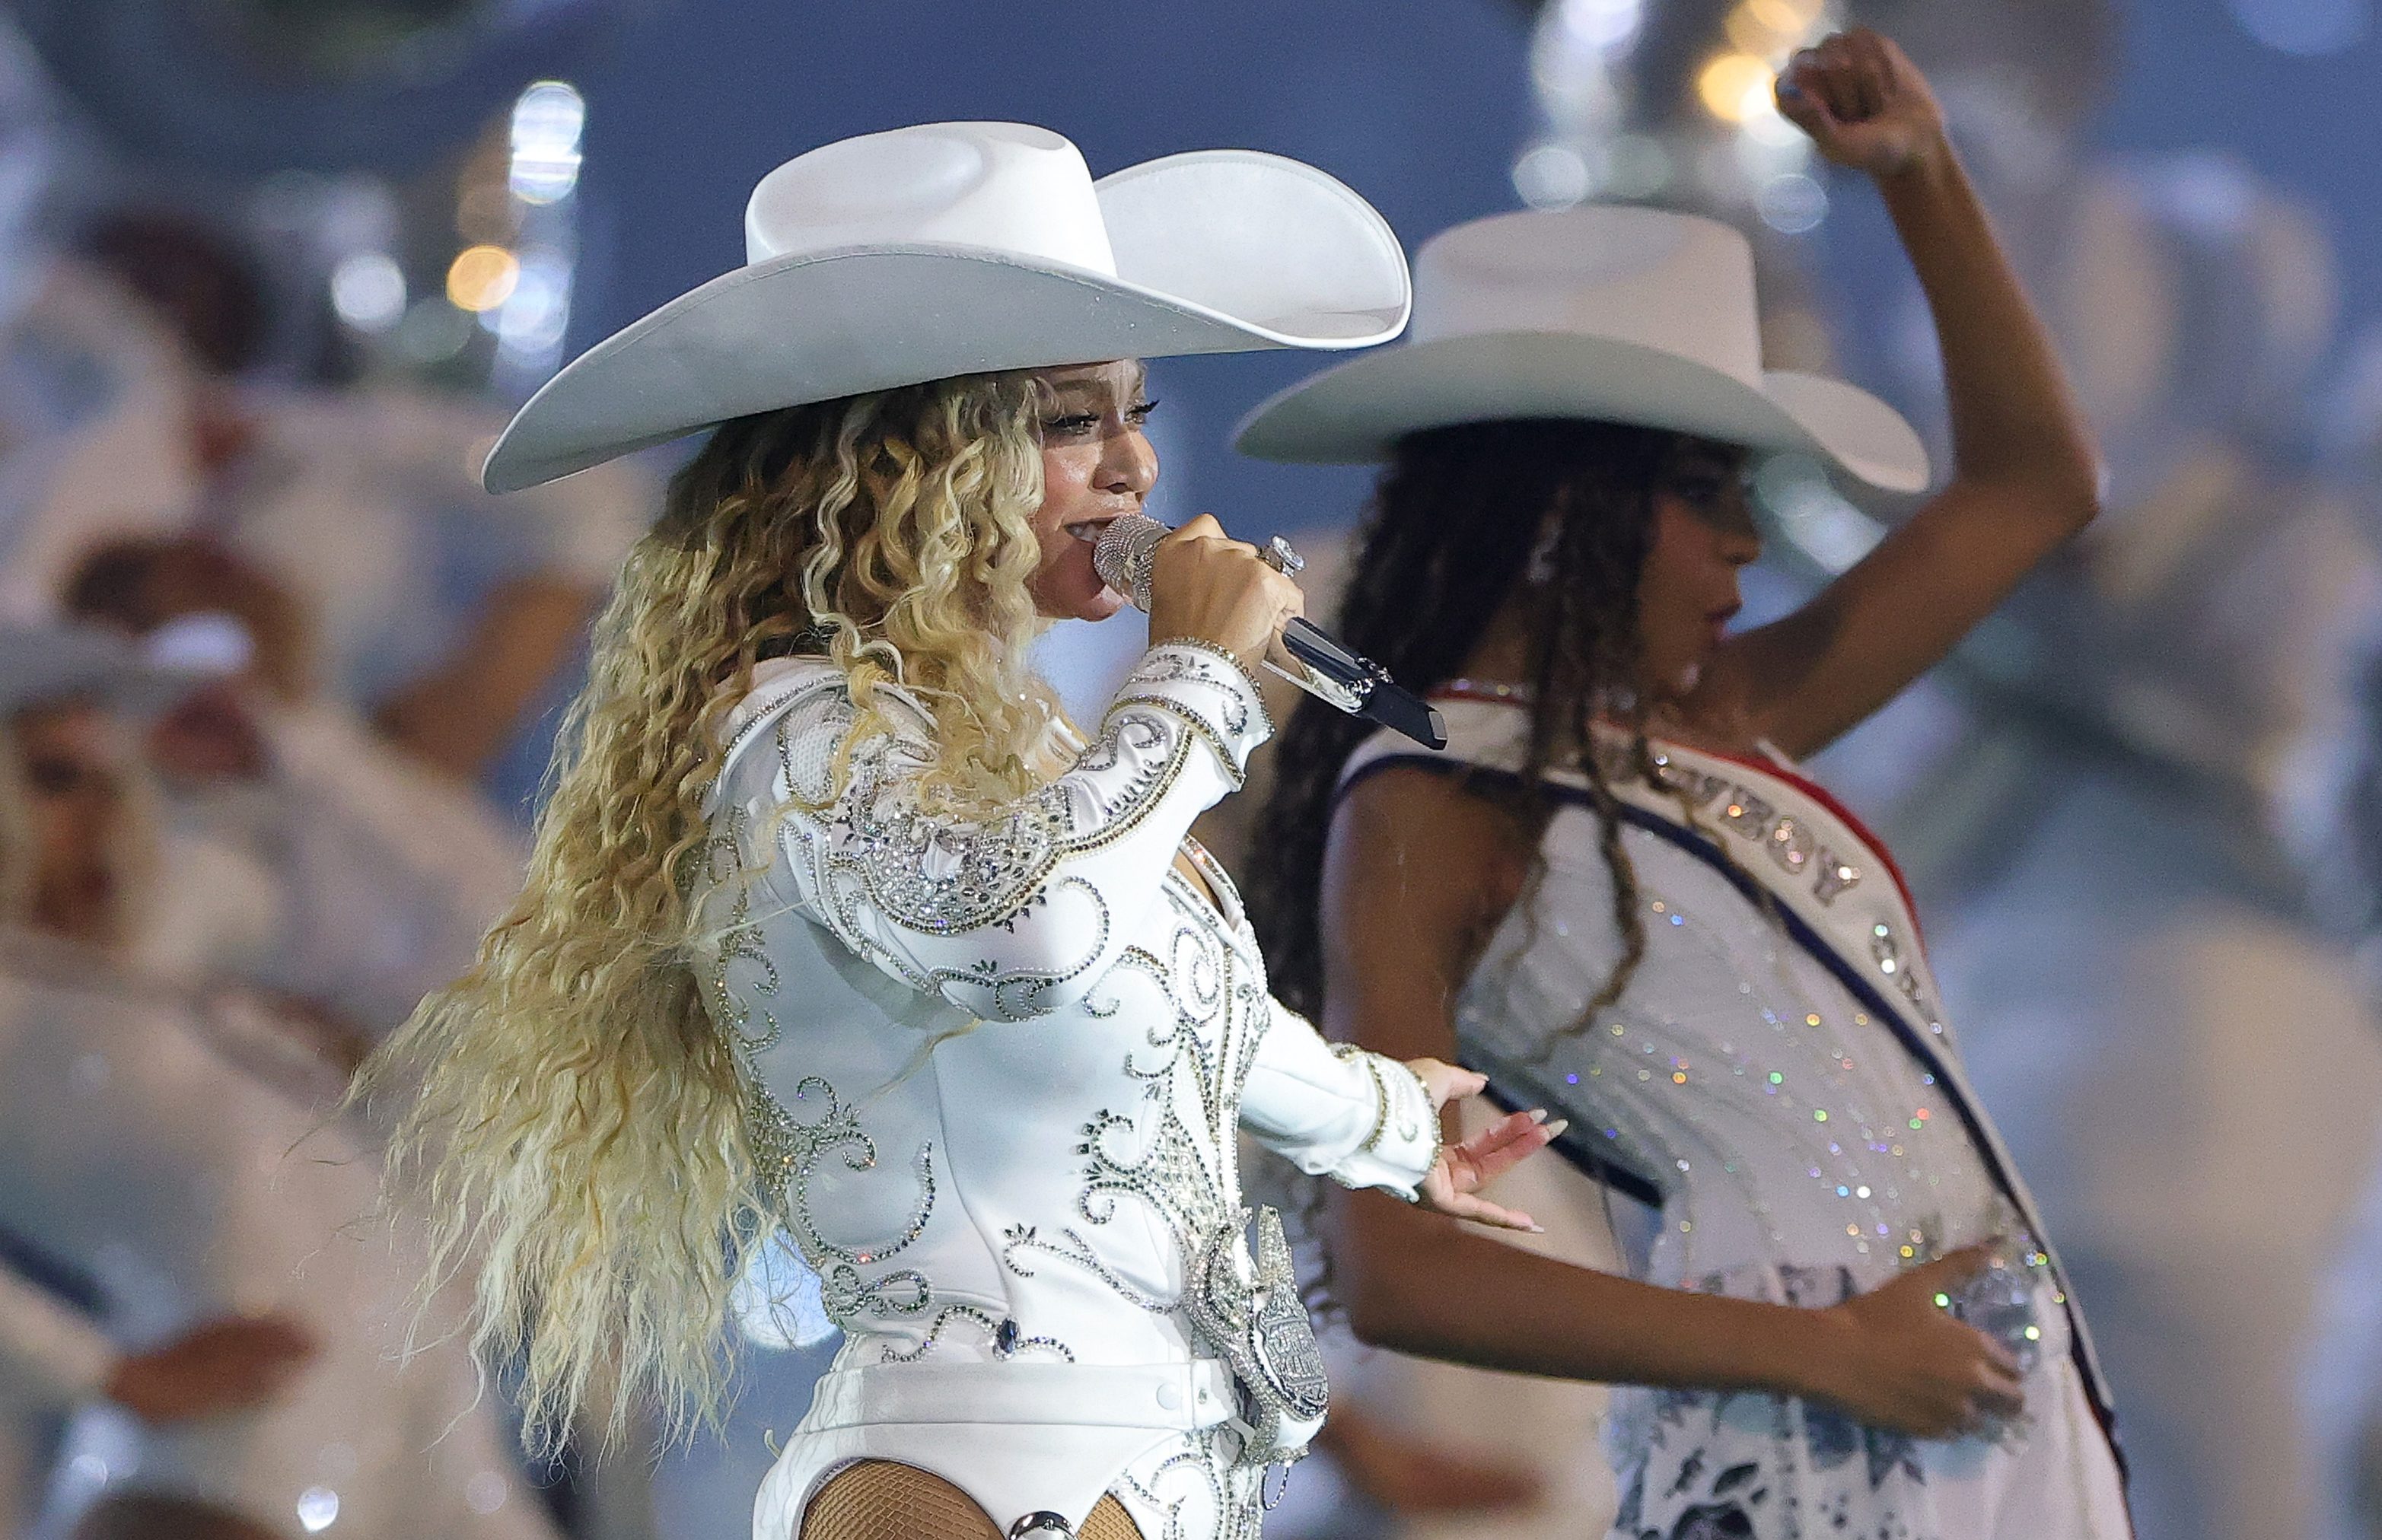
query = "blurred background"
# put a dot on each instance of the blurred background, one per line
(279, 681)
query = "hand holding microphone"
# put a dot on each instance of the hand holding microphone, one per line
(1198, 582)
(1203, 584)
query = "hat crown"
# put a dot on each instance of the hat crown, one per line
(1002, 187)
(1673, 282)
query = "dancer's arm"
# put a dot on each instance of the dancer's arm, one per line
(220, 1365)
(2025, 476)
(1417, 874)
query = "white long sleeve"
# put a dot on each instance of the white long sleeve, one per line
(49, 1347)
(1018, 914)
(1340, 1112)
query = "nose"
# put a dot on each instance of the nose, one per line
(1129, 464)
(1737, 541)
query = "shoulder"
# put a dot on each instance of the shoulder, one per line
(793, 720)
(1427, 835)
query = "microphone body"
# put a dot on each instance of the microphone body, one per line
(1302, 652)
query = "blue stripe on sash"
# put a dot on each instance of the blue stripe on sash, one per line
(1573, 1146)
(51, 1274)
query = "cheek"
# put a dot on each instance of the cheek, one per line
(1066, 481)
(1665, 590)
(53, 829)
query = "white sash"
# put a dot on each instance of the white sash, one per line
(1832, 889)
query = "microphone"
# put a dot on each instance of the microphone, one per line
(1311, 660)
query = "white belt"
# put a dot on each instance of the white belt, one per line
(1196, 1393)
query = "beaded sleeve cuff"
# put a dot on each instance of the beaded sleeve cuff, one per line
(1207, 686)
(1405, 1134)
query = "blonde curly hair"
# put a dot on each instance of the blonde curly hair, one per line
(573, 1121)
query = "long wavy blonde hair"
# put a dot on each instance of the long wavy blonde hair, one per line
(573, 1121)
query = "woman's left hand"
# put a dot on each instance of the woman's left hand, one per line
(1454, 1186)
(1863, 102)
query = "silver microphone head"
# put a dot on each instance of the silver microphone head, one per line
(1122, 553)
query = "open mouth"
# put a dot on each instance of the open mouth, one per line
(1090, 530)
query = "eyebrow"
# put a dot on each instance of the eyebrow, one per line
(1081, 385)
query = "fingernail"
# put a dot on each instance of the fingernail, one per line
(1538, 1115)
(1536, 1228)
(1788, 88)
(1556, 1128)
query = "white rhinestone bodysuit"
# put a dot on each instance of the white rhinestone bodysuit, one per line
(999, 1063)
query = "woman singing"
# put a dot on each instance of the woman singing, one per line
(836, 929)
(1616, 893)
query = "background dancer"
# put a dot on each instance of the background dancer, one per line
(215, 1322)
(1621, 898)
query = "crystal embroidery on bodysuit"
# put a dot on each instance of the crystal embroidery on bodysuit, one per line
(1146, 1009)
(786, 1150)
(876, 846)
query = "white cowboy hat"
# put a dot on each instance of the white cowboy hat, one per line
(43, 664)
(1613, 313)
(956, 247)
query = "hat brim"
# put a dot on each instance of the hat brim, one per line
(47, 665)
(1219, 251)
(1357, 411)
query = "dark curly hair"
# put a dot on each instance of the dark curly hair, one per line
(1462, 516)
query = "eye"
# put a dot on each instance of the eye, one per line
(57, 778)
(1139, 412)
(1070, 425)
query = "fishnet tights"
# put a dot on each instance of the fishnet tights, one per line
(878, 1499)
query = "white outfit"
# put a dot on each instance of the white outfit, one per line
(52, 1355)
(1778, 1078)
(1003, 1064)
(366, 502)
(131, 1149)
(348, 875)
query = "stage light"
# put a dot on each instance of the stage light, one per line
(1601, 24)
(1792, 204)
(1790, 19)
(1552, 176)
(548, 121)
(318, 1508)
(1751, 30)
(368, 290)
(1734, 86)
(531, 320)
(481, 277)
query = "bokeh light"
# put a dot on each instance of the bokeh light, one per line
(548, 121)
(1735, 87)
(368, 290)
(481, 277)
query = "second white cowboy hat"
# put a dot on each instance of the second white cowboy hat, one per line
(48, 664)
(957, 247)
(1614, 313)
